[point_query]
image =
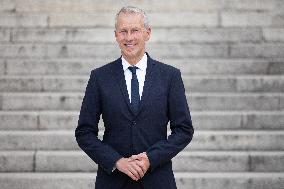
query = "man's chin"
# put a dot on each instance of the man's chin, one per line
(130, 54)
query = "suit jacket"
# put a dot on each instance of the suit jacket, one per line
(126, 133)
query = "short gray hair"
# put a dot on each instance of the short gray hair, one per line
(130, 9)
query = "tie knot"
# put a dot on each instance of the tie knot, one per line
(133, 69)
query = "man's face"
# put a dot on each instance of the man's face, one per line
(131, 35)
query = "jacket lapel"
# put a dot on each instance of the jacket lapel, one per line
(122, 83)
(148, 83)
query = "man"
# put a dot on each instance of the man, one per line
(137, 97)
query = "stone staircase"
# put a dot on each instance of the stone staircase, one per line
(231, 54)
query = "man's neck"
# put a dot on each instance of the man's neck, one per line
(133, 60)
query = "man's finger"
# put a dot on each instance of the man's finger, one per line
(139, 170)
(131, 175)
(142, 165)
(135, 157)
(135, 173)
(131, 159)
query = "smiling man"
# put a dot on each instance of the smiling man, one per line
(137, 96)
(131, 34)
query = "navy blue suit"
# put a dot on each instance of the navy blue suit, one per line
(126, 133)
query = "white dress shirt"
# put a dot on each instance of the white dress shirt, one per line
(140, 72)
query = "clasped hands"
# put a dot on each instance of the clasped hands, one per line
(135, 166)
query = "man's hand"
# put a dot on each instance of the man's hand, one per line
(142, 160)
(131, 168)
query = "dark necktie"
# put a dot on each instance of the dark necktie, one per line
(135, 98)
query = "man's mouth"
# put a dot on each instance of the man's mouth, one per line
(129, 45)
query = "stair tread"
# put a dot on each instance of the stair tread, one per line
(182, 153)
(45, 175)
(219, 132)
(217, 112)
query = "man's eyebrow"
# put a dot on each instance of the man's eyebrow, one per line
(125, 29)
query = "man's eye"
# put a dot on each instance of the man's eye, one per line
(134, 31)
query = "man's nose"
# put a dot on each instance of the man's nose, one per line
(129, 36)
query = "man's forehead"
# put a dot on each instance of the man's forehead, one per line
(130, 19)
(133, 15)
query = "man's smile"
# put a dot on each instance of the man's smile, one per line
(129, 45)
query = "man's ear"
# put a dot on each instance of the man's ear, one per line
(115, 35)
(148, 31)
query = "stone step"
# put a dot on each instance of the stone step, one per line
(236, 102)
(261, 50)
(224, 18)
(215, 120)
(106, 34)
(251, 19)
(208, 83)
(111, 50)
(87, 6)
(5, 34)
(202, 140)
(241, 180)
(104, 19)
(103, 35)
(273, 34)
(203, 161)
(161, 50)
(190, 66)
(197, 101)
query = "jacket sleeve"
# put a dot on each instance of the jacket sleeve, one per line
(180, 125)
(87, 130)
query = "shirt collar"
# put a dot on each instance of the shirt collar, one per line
(142, 64)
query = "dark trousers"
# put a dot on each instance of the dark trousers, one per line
(131, 184)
